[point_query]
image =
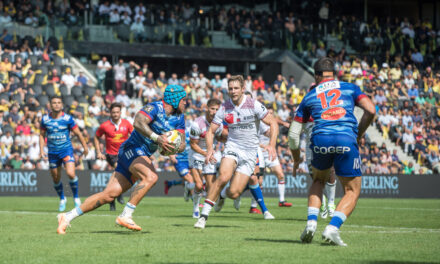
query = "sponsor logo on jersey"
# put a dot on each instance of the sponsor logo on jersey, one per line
(229, 118)
(327, 86)
(149, 108)
(331, 150)
(333, 113)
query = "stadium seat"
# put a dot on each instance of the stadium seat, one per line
(37, 89)
(80, 109)
(63, 90)
(7, 128)
(89, 91)
(39, 79)
(34, 60)
(82, 99)
(76, 91)
(68, 100)
(17, 98)
(44, 69)
(4, 96)
(49, 90)
(57, 60)
(43, 99)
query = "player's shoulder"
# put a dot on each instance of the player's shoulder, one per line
(66, 117)
(45, 118)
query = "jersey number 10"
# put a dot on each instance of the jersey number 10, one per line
(334, 94)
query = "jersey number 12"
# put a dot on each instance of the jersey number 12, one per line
(333, 94)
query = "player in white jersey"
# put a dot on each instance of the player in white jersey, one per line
(328, 194)
(273, 165)
(243, 115)
(197, 153)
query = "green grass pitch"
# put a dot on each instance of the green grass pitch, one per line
(379, 231)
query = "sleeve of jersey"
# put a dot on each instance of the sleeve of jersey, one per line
(358, 94)
(219, 116)
(72, 124)
(149, 111)
(301, 114)
(260, 110)
(194, 132)
(100, 131)
(42, 125)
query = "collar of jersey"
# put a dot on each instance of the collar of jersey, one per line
(242, 102)
(327, 80)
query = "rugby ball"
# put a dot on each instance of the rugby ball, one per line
(175, 140)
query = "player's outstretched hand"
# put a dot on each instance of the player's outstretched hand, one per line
(272, 153)
(100, 156)
(209, 156)
(162, 141)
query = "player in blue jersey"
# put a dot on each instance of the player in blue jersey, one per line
(334, 142)
(134, 164)
(57, 126)
(181, 164)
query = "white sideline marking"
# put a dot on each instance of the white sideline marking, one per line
(409, 229)
(55, 213)
(395, 231)
(386, 208)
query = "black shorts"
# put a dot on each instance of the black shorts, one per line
(111, 159)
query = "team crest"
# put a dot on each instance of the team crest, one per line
(149, 108)
(229, 118)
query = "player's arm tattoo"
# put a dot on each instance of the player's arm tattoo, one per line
(141, 124)
(97, 204)
(136, 189)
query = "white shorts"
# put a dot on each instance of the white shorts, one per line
(200, 164)
(246, 159)
(269, 163)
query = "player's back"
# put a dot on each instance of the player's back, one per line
(331, 106)
(58, 132)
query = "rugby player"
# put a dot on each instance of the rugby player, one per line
(328, 194)
(198, 152)
(134, 164)
(243, 115)
(57, 125)
(334, 143)
(116, 130)
(273, 165)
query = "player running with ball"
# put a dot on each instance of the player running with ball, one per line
(151, 125)
(334, 143)
(243, 115)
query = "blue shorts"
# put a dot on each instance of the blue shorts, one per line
(126, 156)
(340, 151)
(182, 167)
(56, 159)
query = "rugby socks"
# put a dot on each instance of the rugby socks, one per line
(312, 213)
(174, 182)
(338, 219)
(59, 188)
(329, 190)
(74, 213)
(254, 203)
(74, 186)
(258, 196)
(128, 210)
(196, 200)
(281, 190)
(223, 193)
(207, 207)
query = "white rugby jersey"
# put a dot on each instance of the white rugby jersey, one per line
(243, 122)
(199, 128)
(265, 140)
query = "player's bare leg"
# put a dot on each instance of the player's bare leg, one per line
(188, 186)
(227, 168)
(278, 171)
(328, 196)
(115, 187)
(315, 196)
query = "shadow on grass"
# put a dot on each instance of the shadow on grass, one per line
(208, 226)
(292, 219)
(119, 232)
(274, 240)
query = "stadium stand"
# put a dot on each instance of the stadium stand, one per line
(395, 61)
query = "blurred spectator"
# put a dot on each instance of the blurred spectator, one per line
(68, 80)
(138, 29)
(120, 76)
(102, 67)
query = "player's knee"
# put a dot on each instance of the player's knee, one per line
(234, 194)
(253, 180)
(152, 178)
